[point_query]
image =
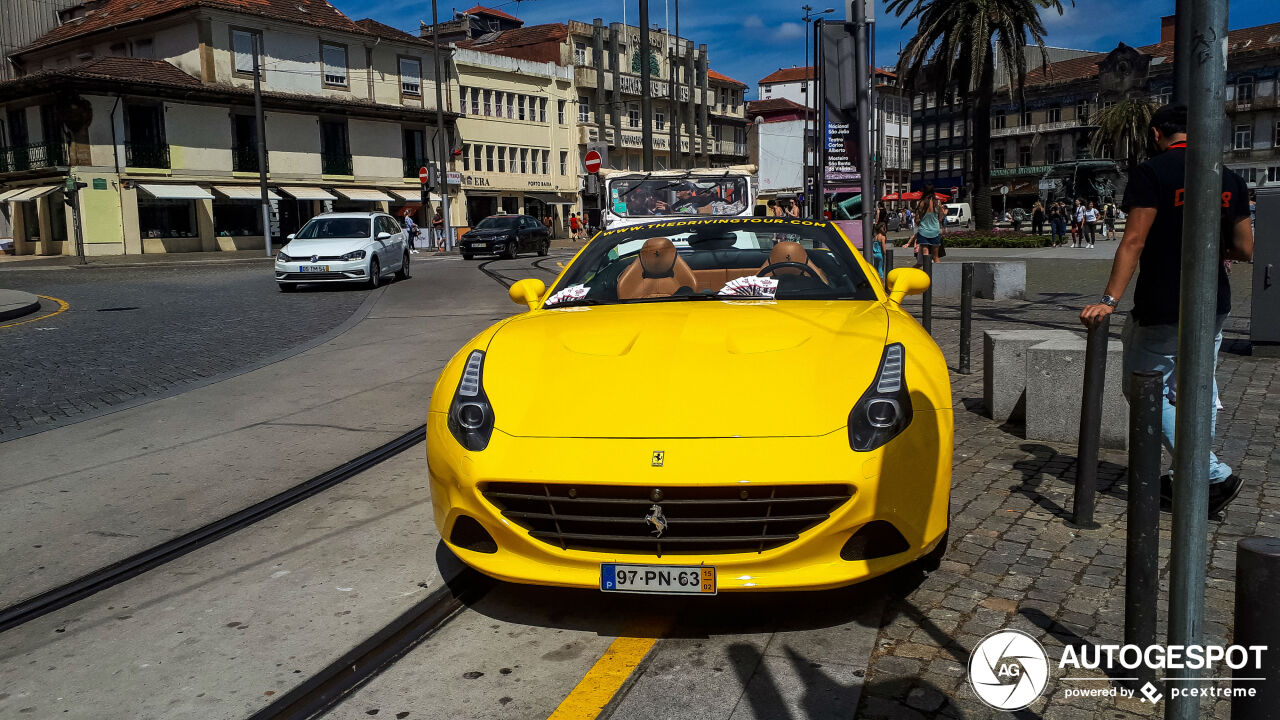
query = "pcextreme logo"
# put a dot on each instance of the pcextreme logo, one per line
(1009, 670)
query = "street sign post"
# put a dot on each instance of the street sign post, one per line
(592, 161)
(424, 175)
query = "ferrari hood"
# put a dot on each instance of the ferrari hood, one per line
(684, 369)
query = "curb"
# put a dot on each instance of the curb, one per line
(15, 303)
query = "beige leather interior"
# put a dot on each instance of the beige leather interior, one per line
(658, 271)
(790, 251)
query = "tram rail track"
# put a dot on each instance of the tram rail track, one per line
(138, 563)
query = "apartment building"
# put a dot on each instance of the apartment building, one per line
(150, 107)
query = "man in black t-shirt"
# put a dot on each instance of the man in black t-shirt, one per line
(1154, 201)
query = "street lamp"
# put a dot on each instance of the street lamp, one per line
(807, 88)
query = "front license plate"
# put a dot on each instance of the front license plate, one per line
(658, 579)
(313, 268)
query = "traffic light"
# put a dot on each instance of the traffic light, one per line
(69, 189)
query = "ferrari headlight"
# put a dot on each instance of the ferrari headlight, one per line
(353, 255)
(470, 415)
(884, 410)
(283, 258)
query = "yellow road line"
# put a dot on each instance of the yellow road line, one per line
(62, 307)
(594, 691)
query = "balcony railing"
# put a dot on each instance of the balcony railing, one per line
(245, 159)
(146, 155)
(335, 163)
(412, 166)
(32, 157)
(1036, 128)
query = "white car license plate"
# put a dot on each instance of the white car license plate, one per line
(659, 579)
(313, 268)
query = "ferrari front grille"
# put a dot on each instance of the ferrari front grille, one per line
(667, 520)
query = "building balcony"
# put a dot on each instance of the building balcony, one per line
(32, 157)
(245, 159)
(335, 163)
(1036, 128)
(147, 155)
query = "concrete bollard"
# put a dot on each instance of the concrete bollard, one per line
(1095, 372)
(926, 313)
(1143, 534)
(966, 317)
(1257, 587)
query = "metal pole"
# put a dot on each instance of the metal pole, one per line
(820, 126)
(926, 314)
(262, 144)
(1257, 587)
(863, 88)
(673, 117)
(888, 262)
(966, 316)
(441, 133)
(1182, 32)
(1141, 548)
(646, 98)
(805, 157)
(1095, 373)
(1193, 432)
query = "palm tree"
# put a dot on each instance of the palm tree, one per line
(1124, 126)
(956, 45)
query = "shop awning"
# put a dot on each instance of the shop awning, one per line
(175, 192)
(34, 193)
(408, 209)
(243, 192)
(364, 195)
(483, 193)
(9, 194)
(413, 196)
(306, 193)
(550, 199)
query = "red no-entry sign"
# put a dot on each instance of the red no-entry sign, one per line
(424, 174)
(592, 161)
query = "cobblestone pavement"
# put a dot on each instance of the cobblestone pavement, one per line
(1014, 562)
(130, 333)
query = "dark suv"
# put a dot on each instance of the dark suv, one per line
(505, 235)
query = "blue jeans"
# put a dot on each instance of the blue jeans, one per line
(1155, 347)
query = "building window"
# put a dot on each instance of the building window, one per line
(466, 157)
(1024, 155)
(997, 157)
(510, 102)
(415, 156)
(917, 102)
(930, 164)
(560, 111)
(1244, 93)
(564, 163)
(633, 116)
(143, 48)
(542, 110)
(1276, 139)
(1273, 174)
(1052, 153)
(957, 161)
(546, 162)
(1082, 111)
(1026, 118)
(915, 166)
(944, 130)
(244, 143)
(584, 109)
(659, 120)
(335, 152)
(998, 121)
(957, 128)
(1244, 137)
(1166, 95)
(915, 132)
(520, 100)
(502, 159)
(242, 50)
(580, 53)
(144, 136)
(167, 218)
(411, 77)
(489, 152)
(930, 132)
(334, 58)
(462, 99)
(236, 218)
(475, 101)
(488, 103)
(1053, 115)
(1249, 175)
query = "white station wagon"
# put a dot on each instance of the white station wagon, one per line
(344, 247)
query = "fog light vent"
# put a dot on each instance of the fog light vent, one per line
(471, 535)
(874, 540)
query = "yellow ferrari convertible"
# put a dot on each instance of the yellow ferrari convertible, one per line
(720, 404)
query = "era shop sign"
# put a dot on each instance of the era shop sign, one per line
(482, 181)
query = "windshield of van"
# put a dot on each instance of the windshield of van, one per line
(727, 259)
(640, 197)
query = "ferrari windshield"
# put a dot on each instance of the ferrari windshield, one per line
(721, 259)
(639, 197)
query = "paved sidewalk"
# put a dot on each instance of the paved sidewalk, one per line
(1014, 562)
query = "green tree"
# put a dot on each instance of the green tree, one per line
(955, 48)
(1124, 127)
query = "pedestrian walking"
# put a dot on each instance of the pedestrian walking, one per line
(1091, 223)
(1152, 243)
(792, 210)
(550, 222)
(1077, 224)
(880, 246)
(411, 234)
(1057, 225)
(772, 209)
(1109, 221)
(437, 230)
(1037, 218)
(911, 219)
(574, 226)
(929, 236)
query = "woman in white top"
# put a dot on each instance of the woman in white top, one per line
(1091, 223)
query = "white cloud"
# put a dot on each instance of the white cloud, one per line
(789, 31)
(753, 21)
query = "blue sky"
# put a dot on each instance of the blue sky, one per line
(757, 37)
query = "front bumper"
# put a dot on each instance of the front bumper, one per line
(337, 271)
(906, 483)
(484, 247)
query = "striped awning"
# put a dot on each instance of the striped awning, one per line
(364, 195)
(306, 193)
(175, 192)
(243, 192)
(413, 195)
(33, 193)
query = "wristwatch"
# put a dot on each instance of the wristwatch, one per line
(1108, 300)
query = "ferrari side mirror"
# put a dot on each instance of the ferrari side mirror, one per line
(907, 281)
(527, 292)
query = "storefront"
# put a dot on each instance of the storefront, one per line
(237, 216)
(174, 218)
(544, 205)
(38, 219)
(301, 204)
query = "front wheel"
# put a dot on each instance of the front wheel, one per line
(375, 274)
(287, 287)
(544, 248)
(512, 251)
(403, 272)
(467, 256)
